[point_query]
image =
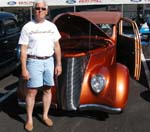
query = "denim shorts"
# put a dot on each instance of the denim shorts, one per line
(41, 72)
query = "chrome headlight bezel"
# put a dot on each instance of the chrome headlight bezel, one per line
(98, 83)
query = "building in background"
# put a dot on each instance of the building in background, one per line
(136, 12)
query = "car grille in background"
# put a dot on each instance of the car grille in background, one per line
(70, 81)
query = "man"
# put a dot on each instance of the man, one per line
(39, 40)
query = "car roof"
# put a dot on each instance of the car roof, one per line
(99, 17)
(4, 15)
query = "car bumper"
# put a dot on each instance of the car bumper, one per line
(100, 108)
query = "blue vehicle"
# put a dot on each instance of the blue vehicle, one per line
(9, 35)
(145, 32)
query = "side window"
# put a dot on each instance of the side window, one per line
(128, 29)
(107, 28)
(10, 26)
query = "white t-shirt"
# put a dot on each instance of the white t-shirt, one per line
(40, 38)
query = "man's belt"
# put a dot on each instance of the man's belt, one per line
(38, 57)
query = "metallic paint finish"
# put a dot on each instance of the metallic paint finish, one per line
(122, 86)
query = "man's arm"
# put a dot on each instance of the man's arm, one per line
(57, 49)
(23, 59)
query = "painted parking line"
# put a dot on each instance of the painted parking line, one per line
(3, 98)
(147, 72)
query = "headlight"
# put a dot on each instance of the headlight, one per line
(98, 83)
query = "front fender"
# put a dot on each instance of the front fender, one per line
(122, 85)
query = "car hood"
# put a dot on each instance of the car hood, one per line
(85, 23)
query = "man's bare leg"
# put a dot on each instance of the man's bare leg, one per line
(30, 101)
(47, 97)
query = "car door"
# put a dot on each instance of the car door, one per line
(3, 40)
(129, 46)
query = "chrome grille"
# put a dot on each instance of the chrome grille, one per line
(70, 81)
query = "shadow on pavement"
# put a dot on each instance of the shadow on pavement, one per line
(97, 115)
(143, 79)
(11, 108)
(146, 95)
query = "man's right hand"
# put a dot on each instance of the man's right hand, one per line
(25, 74)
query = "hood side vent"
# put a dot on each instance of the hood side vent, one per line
(70, 81)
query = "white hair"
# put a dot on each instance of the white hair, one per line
(38, 1)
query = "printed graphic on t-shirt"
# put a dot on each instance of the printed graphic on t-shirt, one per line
(41, 32)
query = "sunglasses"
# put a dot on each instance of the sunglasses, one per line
(40, 8)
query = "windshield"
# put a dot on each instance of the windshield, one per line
(81, 35)
(78, 26)
(107, 28)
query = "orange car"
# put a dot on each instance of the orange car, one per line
(99, 49)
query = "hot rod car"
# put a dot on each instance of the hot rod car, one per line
(98, 57)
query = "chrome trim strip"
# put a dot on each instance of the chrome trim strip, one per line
(100, 107)
(71, 80)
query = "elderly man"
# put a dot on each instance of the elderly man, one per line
(39, 41)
